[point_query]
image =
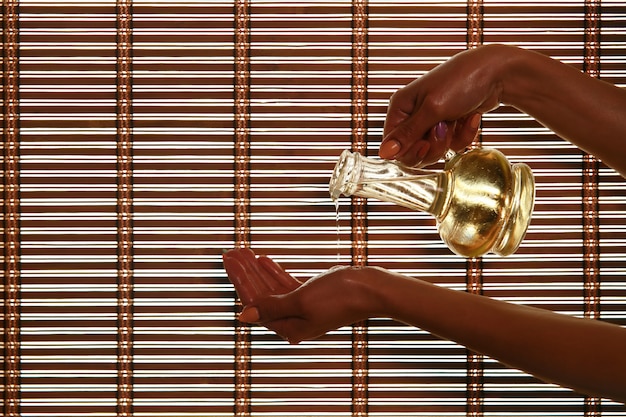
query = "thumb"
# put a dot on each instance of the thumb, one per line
(268, 309)
(249, 314)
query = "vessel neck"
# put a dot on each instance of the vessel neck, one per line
(390, 182)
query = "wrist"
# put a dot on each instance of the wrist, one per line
(381, 293)
(523, 76)
(503, 68)
(365, 288)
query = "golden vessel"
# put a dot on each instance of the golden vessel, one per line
(482, 202)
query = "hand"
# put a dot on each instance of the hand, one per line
(442, 109)
(293, 310)
(256, 278)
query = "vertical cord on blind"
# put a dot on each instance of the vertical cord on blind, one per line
(590, 206)
(124, 211)
(474, 280)
(11, 202)
(359, 204)
(242, 191)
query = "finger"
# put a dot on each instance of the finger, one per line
(282, 281)
(401, 106)
(415, 154)
(439, 140)
(466, 132)
(239, 277)
(393, 119)
(281, 316)
(430, 149)
(249, 314)
(402, 139)
(270, 309)
(256, 275)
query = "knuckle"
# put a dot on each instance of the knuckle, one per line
(398, 95)
(433, 105)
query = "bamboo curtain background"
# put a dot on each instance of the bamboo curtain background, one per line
(142, 138)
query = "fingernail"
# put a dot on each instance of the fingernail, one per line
(441, 130)
(249, 315)
(389, 149)
(474, 121)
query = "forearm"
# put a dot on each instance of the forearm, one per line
(586, 111)
(585, 355)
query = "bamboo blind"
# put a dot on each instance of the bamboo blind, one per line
(141, 138)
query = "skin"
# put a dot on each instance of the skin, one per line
(551, 346)
(586, 111)
(438, 111)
